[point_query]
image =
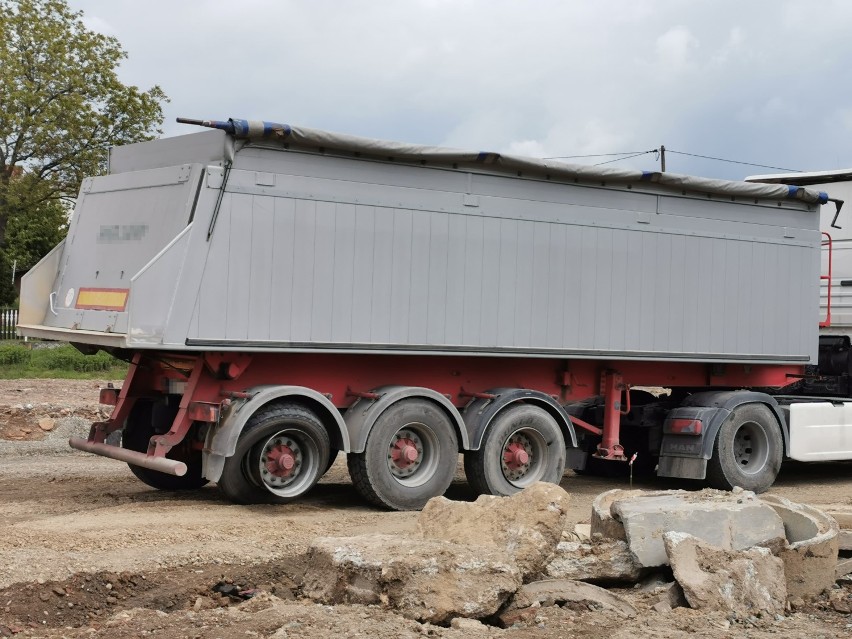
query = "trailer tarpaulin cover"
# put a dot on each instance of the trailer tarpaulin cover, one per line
(315, 138)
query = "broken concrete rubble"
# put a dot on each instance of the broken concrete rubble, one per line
(840, 601)
(424, 579)
(661, 606)
(603, 561)
(671, 597)
(805, 538)
(518, 617)
(581, 532)
(462, 623)
(728, 520)
(549, 592)
(603, 522)
(842, 514)
(811, 548)
(526, 527)
(745, 582)
(469, 560)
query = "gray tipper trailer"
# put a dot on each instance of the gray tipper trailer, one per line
(283, 294)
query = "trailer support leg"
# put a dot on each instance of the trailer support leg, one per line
(99, 430)
(612, 387)
(162, 444)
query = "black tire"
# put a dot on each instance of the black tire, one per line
(284, 433)
(332, 457)
(748, 450)
(146, 420)
(522, 429)
(385, 475)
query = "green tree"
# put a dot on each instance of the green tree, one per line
(7, 289)
(61, 107)
(33, 227)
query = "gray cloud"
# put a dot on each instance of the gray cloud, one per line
(765, 81)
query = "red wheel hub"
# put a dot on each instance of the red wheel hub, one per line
(281, 460)
(515, 456)
(404, 453)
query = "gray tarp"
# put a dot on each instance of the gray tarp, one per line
(315, 138)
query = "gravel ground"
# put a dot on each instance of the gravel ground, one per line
(86, 550)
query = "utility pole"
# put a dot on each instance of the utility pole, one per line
(662, 158)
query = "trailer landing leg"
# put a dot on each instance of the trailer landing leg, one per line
(612, 386)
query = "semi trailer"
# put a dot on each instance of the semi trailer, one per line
(284, 294)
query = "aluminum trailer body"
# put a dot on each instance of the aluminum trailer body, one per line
(836, 290)
(285, 293)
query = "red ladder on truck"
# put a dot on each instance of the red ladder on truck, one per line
(827, 243)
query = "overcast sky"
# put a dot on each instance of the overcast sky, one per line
(763, 81)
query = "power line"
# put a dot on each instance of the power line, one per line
(595, 155)
(708, 157)
(628, 157)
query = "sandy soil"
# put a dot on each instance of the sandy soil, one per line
(86, 550)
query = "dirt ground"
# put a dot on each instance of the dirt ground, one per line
(86, 550)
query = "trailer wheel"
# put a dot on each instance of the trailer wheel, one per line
(410, 456)
(332, 457)
(523, 445)
(280, 455)
(747, 451)
(139, 429)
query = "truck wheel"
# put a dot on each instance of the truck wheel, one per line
(281, 453)
(332, 457)
(747, 451)
(523, 445)
(138, 431)
(410, 456)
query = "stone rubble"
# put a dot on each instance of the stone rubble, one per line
(581, 532)
(603, 561)
(526, 526)
(745, 582)
(810, 549)
(550, 592)
(423, 579)
(502, 559)
(672, 596)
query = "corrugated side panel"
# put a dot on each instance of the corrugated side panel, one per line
(320, 252)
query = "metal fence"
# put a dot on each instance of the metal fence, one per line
(8, 319)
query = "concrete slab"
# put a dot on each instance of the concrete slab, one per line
(730, 520)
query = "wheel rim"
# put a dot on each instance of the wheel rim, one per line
(285, 463)
(523, 457)
(412, 454)
(751, 448)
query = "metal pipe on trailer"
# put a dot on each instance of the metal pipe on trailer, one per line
(160, 464)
